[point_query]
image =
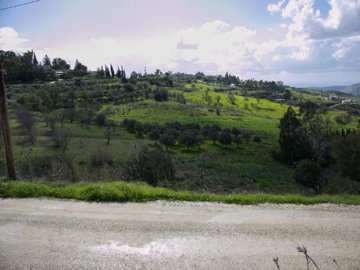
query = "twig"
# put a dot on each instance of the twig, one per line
(304, 251)
(336, 264)
(276, 261)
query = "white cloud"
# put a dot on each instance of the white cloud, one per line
(343, 18)
(273, 8)
(9, 40)
(304, 42)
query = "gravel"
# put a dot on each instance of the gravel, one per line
(63, 234)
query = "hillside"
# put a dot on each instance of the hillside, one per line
(90, 128)
(349, 89)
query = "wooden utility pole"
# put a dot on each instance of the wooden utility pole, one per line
(5, 128)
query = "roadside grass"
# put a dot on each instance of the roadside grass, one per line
(134, 192)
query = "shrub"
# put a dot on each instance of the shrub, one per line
(130, 124)
(34, 165)
(257, 139)
(167, 139)
(307, 173)
(61, 138)
(347, 155)
(27, 123)
(190, 137)
(225, 137)
(343, 118)
(101, 119)
(100, 157)
(161, 95)
(151, 165)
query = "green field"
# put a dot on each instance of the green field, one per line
(249, 167)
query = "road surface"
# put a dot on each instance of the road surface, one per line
(57, 234)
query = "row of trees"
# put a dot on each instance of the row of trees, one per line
(24, 68)
(189, 135)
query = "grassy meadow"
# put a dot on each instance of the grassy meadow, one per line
(247, 167)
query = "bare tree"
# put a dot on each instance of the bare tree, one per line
(27, 123)
(61, 138)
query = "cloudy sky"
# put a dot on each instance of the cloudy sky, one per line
(301, 42)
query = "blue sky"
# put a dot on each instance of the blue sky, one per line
(301, 42)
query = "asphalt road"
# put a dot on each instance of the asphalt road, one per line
(55, 234)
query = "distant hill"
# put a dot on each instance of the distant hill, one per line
(349, 89)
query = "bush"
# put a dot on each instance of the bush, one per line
(347, 155)
(190, 137)
(225, 137)
(151, 165)
(340, 184)
(35, 165)
(100, 157)
(161, 95)
(343, 118)
(101, 119)
(61, 138)
(307, 173)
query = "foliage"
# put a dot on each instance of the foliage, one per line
(79, 69)
(307, 173)
(61, 138)
(225, 137)
(293, 141)
(190, 137)
(161, 95)
(122, 192)
(26, 121)
(347, 155)
(343, 118)
(100, 156)
(151, 165)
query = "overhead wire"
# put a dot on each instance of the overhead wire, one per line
(19, 5)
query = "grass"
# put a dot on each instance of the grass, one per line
(133, 192)
(213, 168)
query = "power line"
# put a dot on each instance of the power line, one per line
(19, 5)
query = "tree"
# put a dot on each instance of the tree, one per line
(60, 64)
(347, 155)
(257, 140)
(112, 71)
(107, 72)
(307, 173)
(225, 137)
(161, 95)
(79, 69)
(237, 140)
(35, 61)
(231, 98)
(46, 61)
(293, 141)
(213, 133)
(27, 122)
(139, 129)
(128, 87)
(154, 134)
(167, 139)
(189, 137)
(108, 134)
(61, 138)
(309, 109)
(101, 119)
(118, 73)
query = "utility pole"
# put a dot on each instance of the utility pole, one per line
(5, 128)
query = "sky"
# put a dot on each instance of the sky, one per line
(300, 42)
